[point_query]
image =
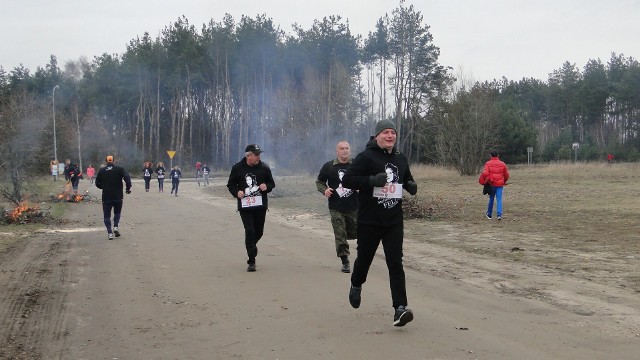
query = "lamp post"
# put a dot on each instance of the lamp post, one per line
(55, 145)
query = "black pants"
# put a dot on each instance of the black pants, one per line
(160, 184)
(369, 238)
(174, 185)
(147, 181)
(106, 210)
(253, 222)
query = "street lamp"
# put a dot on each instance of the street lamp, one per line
(55, 145)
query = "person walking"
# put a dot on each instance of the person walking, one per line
(205, 174)
(380, 173)
(175, 176)
(249, 182)
(496, 175)
(110, 179)
(147, 171)
(72, 173)
(343, 202)
(160, 170)
(91, 173)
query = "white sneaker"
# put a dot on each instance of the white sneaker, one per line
(111, 237)
(116, 232)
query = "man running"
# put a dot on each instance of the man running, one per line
(249, 182)
(110, 179)
(343, 202)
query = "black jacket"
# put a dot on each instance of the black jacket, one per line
(343, 198)
(146, 172)
(109, 179)
(161, 172)
(175, 175)
(374, 160)
(261, 173)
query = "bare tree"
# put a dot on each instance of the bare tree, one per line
(466, 127)
(21, 128)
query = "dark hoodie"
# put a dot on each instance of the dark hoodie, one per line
(109, 179)
(261, 173)
(374, 160)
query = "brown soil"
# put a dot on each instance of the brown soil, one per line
(558, 277)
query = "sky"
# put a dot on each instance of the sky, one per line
(480, 39)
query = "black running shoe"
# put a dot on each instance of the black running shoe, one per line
(346, 268)
(354, 296)
(116, 232)
(251, 268)
(402, 316)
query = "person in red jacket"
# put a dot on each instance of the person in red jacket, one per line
(496, 175)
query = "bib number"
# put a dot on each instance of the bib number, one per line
(251, 201)
(389, 191)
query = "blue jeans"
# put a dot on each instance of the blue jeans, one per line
(497, 193)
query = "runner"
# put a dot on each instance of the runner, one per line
(343, 202)
(380, 172)
(110, 180)
(205, 174)
(160, 171)
(147, 171)
(175, 175)
(249, 181)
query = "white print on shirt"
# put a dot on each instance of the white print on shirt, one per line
(343, 192)
(389, 194)
(147, 173)
(252, 188)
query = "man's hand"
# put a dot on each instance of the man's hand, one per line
(328, 192)
(412, 187)
(378, 180)
(263, 187)
(240, 194)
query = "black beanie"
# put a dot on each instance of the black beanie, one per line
(384, 124)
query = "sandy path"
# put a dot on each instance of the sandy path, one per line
(174, 286)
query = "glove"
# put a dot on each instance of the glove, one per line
(128, 191)
(412, 187)
(378, 180)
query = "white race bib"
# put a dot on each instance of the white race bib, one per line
(251, 201)
(389, 191)
(342, 191)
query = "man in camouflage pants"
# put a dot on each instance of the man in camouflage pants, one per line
(343, 202)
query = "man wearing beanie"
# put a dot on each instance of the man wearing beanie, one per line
(380, 173)
(249, 182)
(110, 179)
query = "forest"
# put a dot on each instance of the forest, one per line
(208, 92)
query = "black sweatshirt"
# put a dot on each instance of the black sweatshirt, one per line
(247, 178)
(374, 160)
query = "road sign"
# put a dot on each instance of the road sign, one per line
(171, 153)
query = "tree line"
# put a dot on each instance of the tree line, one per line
(206, 93)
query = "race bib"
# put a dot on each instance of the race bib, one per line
(251, 201)
(342, 192)
(389, 191)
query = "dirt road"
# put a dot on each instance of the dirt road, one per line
(175, 286)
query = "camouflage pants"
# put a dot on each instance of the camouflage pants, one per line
(344, 227)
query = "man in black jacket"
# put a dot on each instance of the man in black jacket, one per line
(109, 179)
(343, 202)
(72, 173)
(249, 182)
(380, 173)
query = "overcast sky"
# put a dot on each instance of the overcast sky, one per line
(482, 39)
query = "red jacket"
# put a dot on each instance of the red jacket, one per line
(495, 173)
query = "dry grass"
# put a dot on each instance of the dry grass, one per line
(578, 218)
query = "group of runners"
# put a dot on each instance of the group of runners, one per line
(364, 197)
